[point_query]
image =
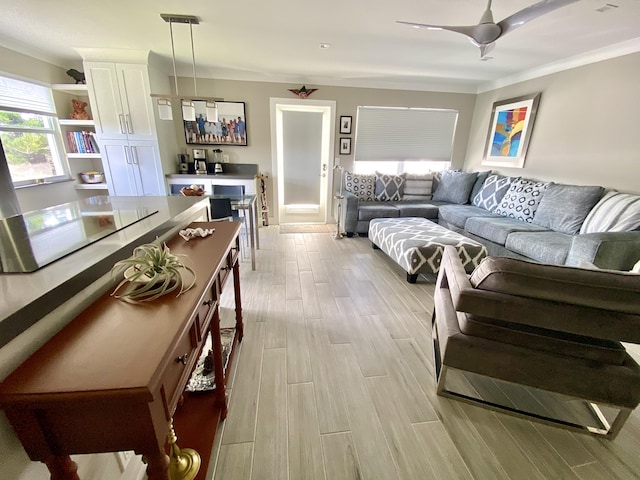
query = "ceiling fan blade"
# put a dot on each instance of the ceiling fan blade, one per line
(465, 30)
(531, 13)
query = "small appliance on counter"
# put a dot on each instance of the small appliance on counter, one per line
(183, 163)
(200, 161)
(216, 168)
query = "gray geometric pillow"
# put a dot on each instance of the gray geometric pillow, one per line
(493, 190)
(615, 212)
(522, 200)
(361, 185)
(389, 187)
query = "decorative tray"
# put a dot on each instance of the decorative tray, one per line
(203, 378)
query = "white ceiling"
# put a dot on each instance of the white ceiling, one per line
(279, 40)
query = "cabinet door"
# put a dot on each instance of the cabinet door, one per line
(118, 161)
(136, 100)
(104, 93)
(147, 168)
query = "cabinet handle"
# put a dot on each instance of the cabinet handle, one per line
(127, 122)
(182, 359)
(121, 121)
(134, 155)
(127, 155)
(209, 302)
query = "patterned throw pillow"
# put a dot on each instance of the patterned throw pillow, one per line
(616, 212)
(521, 200)
(418, 187)
(493, 190)
(361, 185)
(389, 187)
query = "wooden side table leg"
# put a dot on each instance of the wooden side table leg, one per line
(157, 465)
(218, 366)
(238, 300)
(62, 468)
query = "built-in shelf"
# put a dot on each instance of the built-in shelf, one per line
(91, 186)
(76, 123)
(83, 155)
(70, 87)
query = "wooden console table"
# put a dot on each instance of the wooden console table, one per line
(111, 380)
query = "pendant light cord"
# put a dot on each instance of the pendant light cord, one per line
(193, 59)
(173, 55)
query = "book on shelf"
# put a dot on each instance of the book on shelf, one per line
(82, 142)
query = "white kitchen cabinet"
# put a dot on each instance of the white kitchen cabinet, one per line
(133, 168)
(121, 100)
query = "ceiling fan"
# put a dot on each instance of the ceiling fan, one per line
(487, 31)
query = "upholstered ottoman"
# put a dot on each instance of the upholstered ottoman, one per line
(416, 244)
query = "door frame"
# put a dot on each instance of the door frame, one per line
(328, 147)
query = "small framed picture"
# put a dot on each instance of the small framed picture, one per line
(345, 146)
(345, 124)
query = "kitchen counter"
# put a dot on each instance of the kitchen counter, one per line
(27, 297)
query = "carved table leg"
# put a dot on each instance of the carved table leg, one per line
(62, 468)
(238, 300)
(157, 466)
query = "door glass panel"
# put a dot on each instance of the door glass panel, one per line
(302, 142)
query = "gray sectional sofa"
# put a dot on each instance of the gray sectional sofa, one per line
(512, 216)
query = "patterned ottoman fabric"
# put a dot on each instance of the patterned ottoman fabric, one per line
(417, 244)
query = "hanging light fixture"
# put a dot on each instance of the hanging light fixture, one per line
(188, 107)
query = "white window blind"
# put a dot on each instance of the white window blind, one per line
(19, 96)
(402, 133)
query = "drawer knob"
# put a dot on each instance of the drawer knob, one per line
(209, 302)
(182, 359)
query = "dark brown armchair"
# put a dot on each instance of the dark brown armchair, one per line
(539, 341)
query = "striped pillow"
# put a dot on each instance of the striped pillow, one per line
(615, 212)
(417, 187)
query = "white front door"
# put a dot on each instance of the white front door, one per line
(302, 148)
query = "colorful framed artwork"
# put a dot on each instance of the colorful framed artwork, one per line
(510, 131)
(345, 146)
(345, 124)
(230, 129)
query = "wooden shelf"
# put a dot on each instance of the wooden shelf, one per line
(83, 155)
(91, 186)
(70, 87)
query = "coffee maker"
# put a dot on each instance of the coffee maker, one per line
(200, 161)
(183, 163)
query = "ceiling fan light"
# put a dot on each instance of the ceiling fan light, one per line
(188, 111)
(212, 111)
(164, 109)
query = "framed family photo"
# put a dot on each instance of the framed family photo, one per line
(345, 124)
(230, 129)
(510, 131)
(345, 146)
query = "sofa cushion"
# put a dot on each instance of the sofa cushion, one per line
(493, 190)
(545, 247)
(497, 229)
(458, 214)
(616, 212)
(559, 343)
(361, 185)
(455, 187)
(601, 289)
(368, 211)
(389, 187)
(563, 208)
(418, 209)
(418, 187)
(477, 185)
(521, 200)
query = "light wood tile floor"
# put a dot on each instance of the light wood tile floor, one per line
(334, 381)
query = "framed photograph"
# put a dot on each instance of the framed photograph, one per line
(345, 124)
(510, 131)
(345, 146)
(230, 129)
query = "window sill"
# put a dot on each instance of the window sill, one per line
(45, 182)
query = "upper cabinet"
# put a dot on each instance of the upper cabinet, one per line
(120, 99)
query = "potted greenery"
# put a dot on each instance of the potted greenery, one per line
(152, 271)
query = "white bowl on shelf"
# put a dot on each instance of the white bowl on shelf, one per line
(92, 177)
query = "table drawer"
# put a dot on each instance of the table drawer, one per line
(208, 303)
(181, 360)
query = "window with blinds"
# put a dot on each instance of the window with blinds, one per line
(399, 136)
(28, 131)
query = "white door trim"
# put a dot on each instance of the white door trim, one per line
(328, 147)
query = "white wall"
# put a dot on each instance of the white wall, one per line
(586, 130)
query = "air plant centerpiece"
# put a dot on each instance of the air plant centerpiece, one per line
(151, 272)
